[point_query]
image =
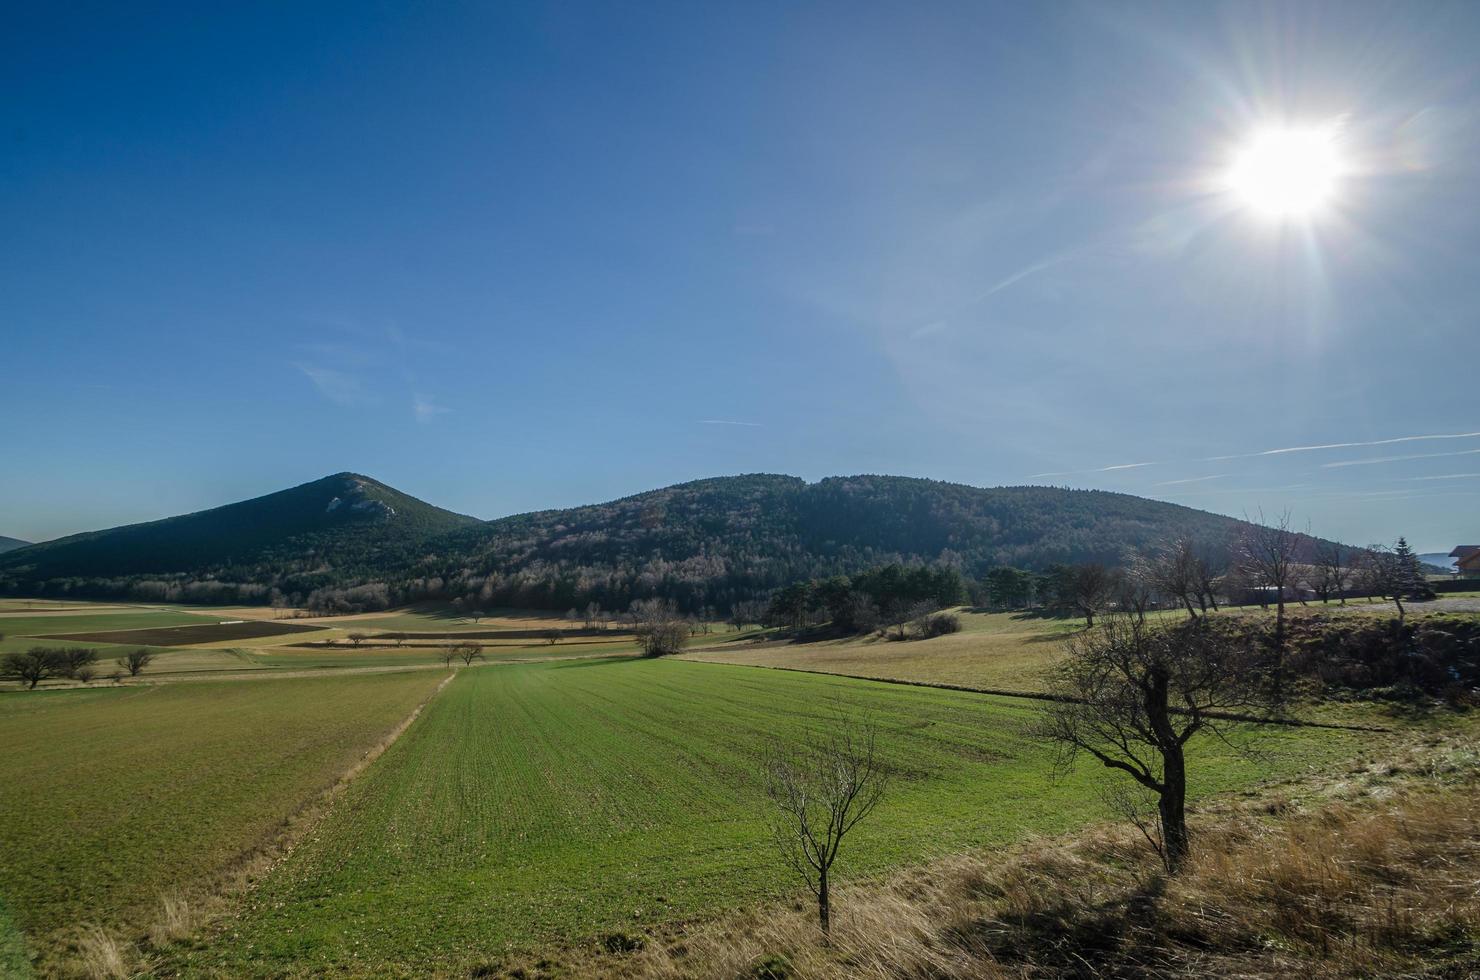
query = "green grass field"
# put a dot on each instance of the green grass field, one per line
(532, 804)
(111, 797)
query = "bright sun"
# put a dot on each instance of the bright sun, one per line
(1287, 172)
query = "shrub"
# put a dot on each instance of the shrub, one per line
(938, 624)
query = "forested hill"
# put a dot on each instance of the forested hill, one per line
(10, 544)
(709, 542)
(718, 540)
(343, 526)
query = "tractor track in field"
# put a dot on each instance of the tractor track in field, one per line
(208, 905)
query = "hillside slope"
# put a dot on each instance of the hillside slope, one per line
(10, 544)
(709, 542)
(717, 540)
(343, 526)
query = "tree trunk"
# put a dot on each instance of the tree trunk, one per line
(1089, 619)
(1173, 808)
(1279, 646)
(824, 907)
(1172, 804)
(1187, 601)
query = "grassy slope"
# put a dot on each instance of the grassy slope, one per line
(1006, 651)
(110, 797)
(535, 803)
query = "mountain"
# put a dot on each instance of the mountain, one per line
(344, 526)
(714, 541)
(10, 544)
(350, 542)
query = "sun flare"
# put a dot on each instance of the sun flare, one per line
(1287, 172)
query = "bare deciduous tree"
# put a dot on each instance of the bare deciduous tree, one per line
(448, 655)
(1178, 572)
(357, 637)
(467, 651)
(1332, 575)
(73, 660)
(552, 636)
(1266, 558)
(33, 666)
(135, 661)
(1091, 587)
(1391, 573)
(1137, 589)
(1134, 694)
(660, 629)
(821, 792)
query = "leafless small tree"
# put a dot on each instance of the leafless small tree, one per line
(904, 614)
(552, 636)
(357, 638)
(33, 666)
(448, 655)
(821, 791)
(467, 651)
(1332, 574)
(659, 627)
(135, 661)
(73, 660)
(1091, 588)
(1136, 588)
(1266, 559)
(1205, 578)
(1174, 572)
(399, 639)
(1132, 694)
(1385, 574)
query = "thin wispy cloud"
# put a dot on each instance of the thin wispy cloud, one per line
(335, 386)
(749, 425)
(936, 325)
(1227, 491)
(424, 410)
(1449, 476)
(1395, 459)
(1289, 450)
(1344, 445)
(1102, 469)
(1190, 479)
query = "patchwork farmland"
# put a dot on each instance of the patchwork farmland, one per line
(545, 796)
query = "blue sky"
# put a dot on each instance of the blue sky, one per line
(512, 256)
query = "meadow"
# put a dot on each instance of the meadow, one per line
(546, 803)
(194, 642)
(111, 798)
(1005, 651)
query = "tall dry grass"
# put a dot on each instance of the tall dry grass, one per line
(1378, 879)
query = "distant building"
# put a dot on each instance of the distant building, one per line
(1466, 559)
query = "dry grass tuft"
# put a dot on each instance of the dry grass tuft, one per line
(101, 957)
(176, 920)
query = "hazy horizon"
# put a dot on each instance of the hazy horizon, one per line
(508, 258)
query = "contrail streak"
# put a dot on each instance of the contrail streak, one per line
(1396, 459)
